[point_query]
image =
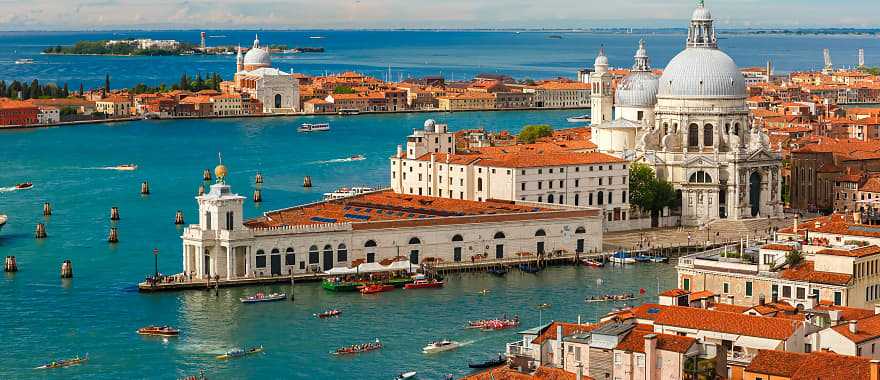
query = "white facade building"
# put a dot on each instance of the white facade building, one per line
(692, 126)
(277, 90)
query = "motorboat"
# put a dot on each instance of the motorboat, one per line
(659, 259)
(579, 119)
(421, 282)
(345, 192)
(642, 258)
(440, 346)
(498, 271)
(165, 331)
(611, 298)
(238, 352)
(126, 167)
(494, 362)
(358, 348)
(307, 127)
(533, 269)
(406, 375)
(592, 263)
(376, 288)
(23, 186)
(358, 157)
(24, 61)
(328, 314)
(65, 362)
(622, 257)
(260, 297)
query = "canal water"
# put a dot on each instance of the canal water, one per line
(98, 311)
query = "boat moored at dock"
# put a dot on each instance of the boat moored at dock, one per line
(260, 297)
(376, 288)
(622, 257)
(422, 282)
(493, 362)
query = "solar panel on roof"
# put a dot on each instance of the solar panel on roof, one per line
(356, 216)
(653, 310)
(346, 207)
(323, 220)
(357, 208)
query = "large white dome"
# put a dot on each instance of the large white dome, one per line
(702, 73)
(257, 57)
(638, 89)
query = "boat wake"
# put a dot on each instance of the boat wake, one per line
(8, 189)
(122, 168)
(341, 160)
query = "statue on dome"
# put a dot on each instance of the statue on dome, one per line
(650, 139)
(672, 141)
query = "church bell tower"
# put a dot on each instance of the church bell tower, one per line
(601, 99)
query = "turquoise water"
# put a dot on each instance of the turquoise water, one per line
(98, 311)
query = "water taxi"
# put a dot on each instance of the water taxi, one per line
(376, 288)
(358, 348)
(440, 346)
(580, 119)
(24, 61)
(306, 127)
(24, 186)
(424, 283)
(158, 331)
(238, 352)
(622, 257)
(345, 192)
(65, 362)
(328, 314)
(260, 297)
(126, 167)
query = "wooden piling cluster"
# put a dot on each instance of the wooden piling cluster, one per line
(10, 266)
(114, 236)
(258, 179)
(47, 209)
(114, 213)
(40, 232)
(258, 196)
(307, 181)
(258, 188)
(178, 218)
(145, 188)
(206, 175)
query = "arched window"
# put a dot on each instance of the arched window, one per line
(277, 100)
(550, 198)
(454, 238)
(479, 184)
(736, 129)
(580, 230)
(693, 135)
(289, 257)
(707, 135)
(275, 251)
(341, 253)
(415, 240)
(370, 243)
(313, 255)
(261, 258)
(665, 128)
(727, 128)
(600, 198)
(499, 235)
(700, 177)
(540, 233)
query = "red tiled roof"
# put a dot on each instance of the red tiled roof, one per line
(846, 313)
(779, 247)
(703, 294)
(718, 321)
(674, 293)
(866, 329)
(806, 272)
(507, 373)
(858, 252)
(728, 308)
(549, 333)
(832, 224)
(635, 342)
(872, 185)
(812, 366)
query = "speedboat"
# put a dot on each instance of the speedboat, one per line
(126, 167)
(358, 348)
(421, 283)
(24, 61)
(65, 362)
(622, 257)
(375, 288)
(158, 331)
(306, 127)
(406, 375)
(642, 258)
(260, 297)
(440, 346)
(238, 352)
(579, 119)
(328, 314)
(23, 186)
(494, 362)
(659, 259)
(358, 157)
(592, 263)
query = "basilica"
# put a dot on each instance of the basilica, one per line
(692, 126)
(277, 90)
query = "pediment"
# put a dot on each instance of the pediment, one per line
(700, 161)
(762, 154)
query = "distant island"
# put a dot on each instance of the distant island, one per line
(150, 47)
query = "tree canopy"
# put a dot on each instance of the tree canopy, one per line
(648, 192)
(343, 90)
(531, 133)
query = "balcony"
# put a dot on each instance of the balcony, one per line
(518, 348)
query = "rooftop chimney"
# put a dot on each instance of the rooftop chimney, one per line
(876, 309)
(834, 315)
(399, 151)
(875, 369)
(558, 354)
(853, 327)
(650, 356)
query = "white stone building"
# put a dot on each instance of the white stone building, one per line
(277, 90)
(541, 172)
(692, 126)
(373, 227)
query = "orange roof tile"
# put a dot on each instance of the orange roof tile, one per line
(635, 342)
(779, 247)
(703, 294)
(507, 373)
(718, 321)
(857, 252)
(674, 293)
(812, 366)
(866, 329)
(806, 272)
(549, 332)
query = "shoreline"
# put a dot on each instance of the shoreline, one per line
(292, 115)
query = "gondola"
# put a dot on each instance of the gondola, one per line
(494, 362)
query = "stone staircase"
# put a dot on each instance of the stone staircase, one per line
(736, 229)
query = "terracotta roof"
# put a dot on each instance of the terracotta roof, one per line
(703, 294)
(812, 366)
(507, 373)
(728, 308)
(857, 252)
(525, 159)
(635, 342)
(806, 272)
(838, 224)
(779, 247)
(846, 313)
(718, 321)
(549, 332)
(674, 293)
(866, 329)
(872, 185)
(14, 104)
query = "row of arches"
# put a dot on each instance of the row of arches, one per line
(708, 134)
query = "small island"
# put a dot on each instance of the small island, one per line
(125, 47)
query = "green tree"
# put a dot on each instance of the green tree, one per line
(531, 133)
(81, 90)
(184, 82)
(65, 92)
(343, 90)
(647, 192)
(36, 91)
(793, 258)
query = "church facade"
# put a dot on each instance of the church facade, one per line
(692, 126)
(277, 90)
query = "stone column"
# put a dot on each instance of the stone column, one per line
(248, 270)
(230, 256)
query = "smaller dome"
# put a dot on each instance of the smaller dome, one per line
(257, 57)
(601, 59)
(430, 125)
(701, 14)
(638, 89)
(220, 171)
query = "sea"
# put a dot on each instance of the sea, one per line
(45, 318)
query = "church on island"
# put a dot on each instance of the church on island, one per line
(692, 126)
(278, 91)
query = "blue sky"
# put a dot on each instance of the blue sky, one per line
(307, 14)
